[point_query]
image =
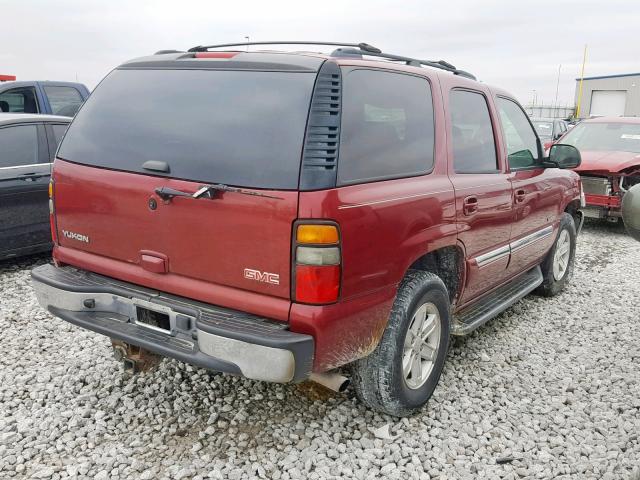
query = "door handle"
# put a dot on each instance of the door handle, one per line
(520, 196)
(28, 177)
(470, 205)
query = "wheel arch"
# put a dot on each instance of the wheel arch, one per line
(448, 264)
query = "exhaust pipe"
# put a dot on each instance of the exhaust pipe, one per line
(332, 381)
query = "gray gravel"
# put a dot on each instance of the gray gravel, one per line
(550, 389)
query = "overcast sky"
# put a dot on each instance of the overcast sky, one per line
(514, 44)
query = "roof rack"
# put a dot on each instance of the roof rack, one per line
(355, 49)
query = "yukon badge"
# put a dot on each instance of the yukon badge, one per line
(75, 236)
(265, 277)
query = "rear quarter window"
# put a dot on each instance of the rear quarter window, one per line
(387, 127)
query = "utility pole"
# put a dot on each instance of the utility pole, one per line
(584, 60)
(557, 87)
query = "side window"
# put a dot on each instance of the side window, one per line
(387, 127)
(63, 100)
(522, 145)
(19, 100)
(19, 146)
(58, 133)
(474, 146)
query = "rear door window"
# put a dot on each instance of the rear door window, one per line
(63, 100)
(18, 146)
(55, 132)
(521, 139)
(387, 127)
(241, 128)
(19, 100)
(474, 147)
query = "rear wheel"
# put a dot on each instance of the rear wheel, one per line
(400, 376)
(557, 267)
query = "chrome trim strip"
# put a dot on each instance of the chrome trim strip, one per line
(25, 166)
(376, 202)
(531, 239)
(492, 256)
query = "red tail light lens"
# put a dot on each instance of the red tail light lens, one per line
(317, 284)
(317, 260)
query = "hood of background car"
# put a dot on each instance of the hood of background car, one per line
(607, 162)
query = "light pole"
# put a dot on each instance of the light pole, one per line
(557, 87)
(247, 39)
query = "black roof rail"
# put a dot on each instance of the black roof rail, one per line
(441, 64)
(362, 46)
(356, 49)
(162, 52)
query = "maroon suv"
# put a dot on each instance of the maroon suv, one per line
(278, 215)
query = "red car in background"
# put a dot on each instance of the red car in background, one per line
(610, 149)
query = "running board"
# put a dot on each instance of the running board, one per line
(496, 302)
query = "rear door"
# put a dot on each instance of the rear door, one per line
(536, 192)
(483, 191)
(144, 130)
(24, 180)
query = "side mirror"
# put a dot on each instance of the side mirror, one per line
(564, 156)
(631, 211)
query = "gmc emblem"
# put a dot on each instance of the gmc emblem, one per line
(264, 277)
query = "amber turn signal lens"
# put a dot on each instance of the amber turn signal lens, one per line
(317, 234)
(50, 189)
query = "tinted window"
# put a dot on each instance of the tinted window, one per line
(242, 128)
(19, 100)
(522, 145)
(58, 133)
(18, 146)
(63, 100)
(474, 148)
(387, 126)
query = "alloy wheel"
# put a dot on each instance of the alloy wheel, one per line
(421, 345)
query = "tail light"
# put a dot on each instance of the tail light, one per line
(52, 214)
(317, 260)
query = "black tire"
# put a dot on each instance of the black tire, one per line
(551, 285)
(378, 379)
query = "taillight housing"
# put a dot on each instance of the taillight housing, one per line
(52, 213)
(317, 260)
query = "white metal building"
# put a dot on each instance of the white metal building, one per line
(610, 95)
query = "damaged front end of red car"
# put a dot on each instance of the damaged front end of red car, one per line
(604, 191)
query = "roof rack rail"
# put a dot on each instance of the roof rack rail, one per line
(355, 49)
(361, 46)
(441, 64)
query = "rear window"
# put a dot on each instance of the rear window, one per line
(64, 101)
(241, 128)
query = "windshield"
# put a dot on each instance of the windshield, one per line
(544, 129)
(241, 128)
(620, 137)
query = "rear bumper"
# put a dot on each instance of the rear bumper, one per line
(204, 335)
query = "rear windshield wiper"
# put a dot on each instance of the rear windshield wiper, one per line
(206, 191)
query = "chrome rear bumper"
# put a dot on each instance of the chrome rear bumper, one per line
(204, 335)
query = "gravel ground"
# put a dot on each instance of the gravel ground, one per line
(550, 389)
